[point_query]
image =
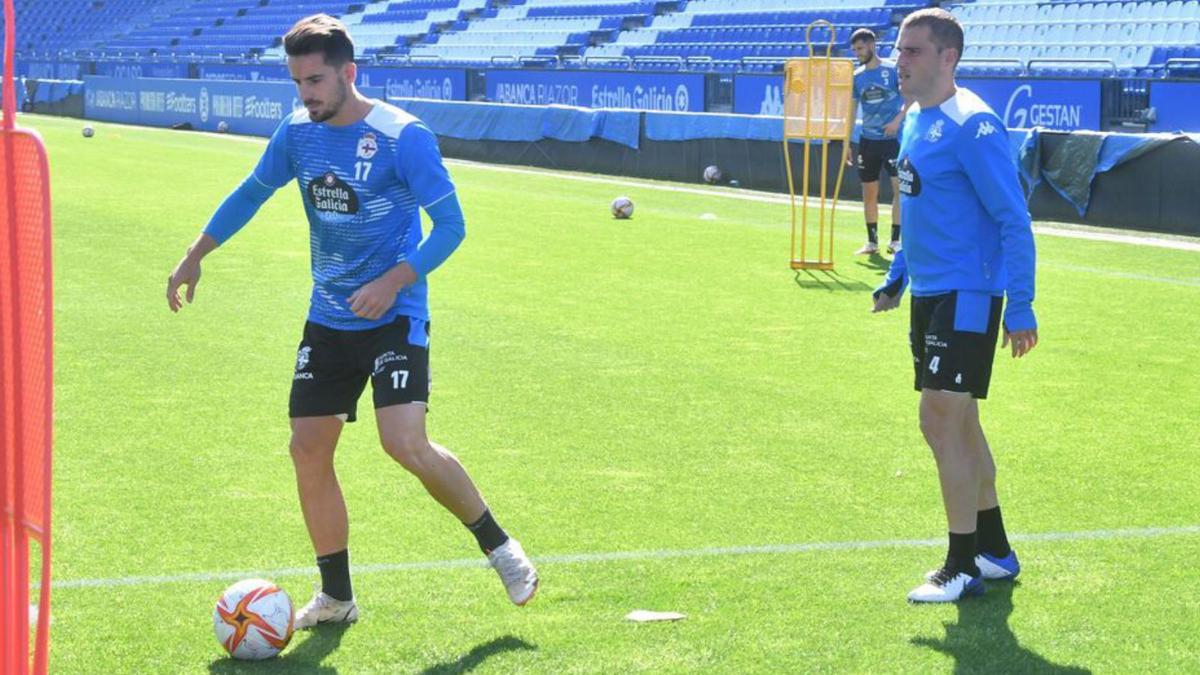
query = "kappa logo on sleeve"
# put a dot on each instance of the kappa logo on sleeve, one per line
(985, 129)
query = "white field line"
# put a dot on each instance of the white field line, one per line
(1133, 276)
(617, 556)
(1117, 237)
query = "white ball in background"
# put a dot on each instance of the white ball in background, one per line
(88, 131)
(712, 174)
(222, 126)
(622, 208)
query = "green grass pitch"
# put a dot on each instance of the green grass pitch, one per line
(662, 386)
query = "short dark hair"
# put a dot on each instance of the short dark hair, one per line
(862, 34)
(320, 33)
(945, 30)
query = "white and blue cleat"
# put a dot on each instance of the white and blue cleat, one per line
(941, 586)
(993, 568)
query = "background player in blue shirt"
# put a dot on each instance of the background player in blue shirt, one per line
(363, 168)
(968, 242)
(877, 90)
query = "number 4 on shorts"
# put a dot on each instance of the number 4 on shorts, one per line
(933, 364)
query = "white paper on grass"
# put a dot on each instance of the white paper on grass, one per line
(644, 615)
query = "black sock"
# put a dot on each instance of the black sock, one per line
(961, 556)
(895, 231)
(335, 575)
(487, 532)
(992, 538)
(873, 233)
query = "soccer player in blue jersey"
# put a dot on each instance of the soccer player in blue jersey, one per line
(877, 90)
(968, 242)
(364, 168)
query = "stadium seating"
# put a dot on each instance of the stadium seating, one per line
(1079, 38)
(733, 34)
(1071, 38)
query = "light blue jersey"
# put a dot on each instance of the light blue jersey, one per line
(966, 223)
(878, 91)
(361, 185)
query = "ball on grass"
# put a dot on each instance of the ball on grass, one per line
(622, 208)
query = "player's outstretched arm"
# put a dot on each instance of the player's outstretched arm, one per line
(187, 272)
(233, 214)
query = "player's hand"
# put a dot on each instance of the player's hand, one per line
(377, 297)
(885, 302)
(186, 273)
(1023, 341)
(852, 156)
(891, 128)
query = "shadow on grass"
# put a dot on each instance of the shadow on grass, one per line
(304, 657)
(982, 642)
(874, 262)
(478, 654)
(828, 280)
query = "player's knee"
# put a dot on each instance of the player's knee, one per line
(412, 451)
(939, 427)
(308, 453)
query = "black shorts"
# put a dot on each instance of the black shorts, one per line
(874, 155)
(953, 340)
(333, 366)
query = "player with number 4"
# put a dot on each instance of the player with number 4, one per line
(968, 243)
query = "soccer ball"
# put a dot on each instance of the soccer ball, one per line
(622, 208)
(253, 619)
(712, 174)
(88, 131)
(222, 126)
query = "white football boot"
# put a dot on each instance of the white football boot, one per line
(325, 609)
(515, 570)
(942, 587)
(870, 248)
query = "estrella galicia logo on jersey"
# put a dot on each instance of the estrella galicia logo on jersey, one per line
(874, 94)
(368, 145)
(910, 180)
(331, 194)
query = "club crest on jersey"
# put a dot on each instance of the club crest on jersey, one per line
(332, 196)
(935, 131)
(367, 146)
(302, 357)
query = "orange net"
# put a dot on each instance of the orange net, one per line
(26, 386)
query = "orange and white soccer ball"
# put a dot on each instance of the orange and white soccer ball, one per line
(622, 208)
(253, 619)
